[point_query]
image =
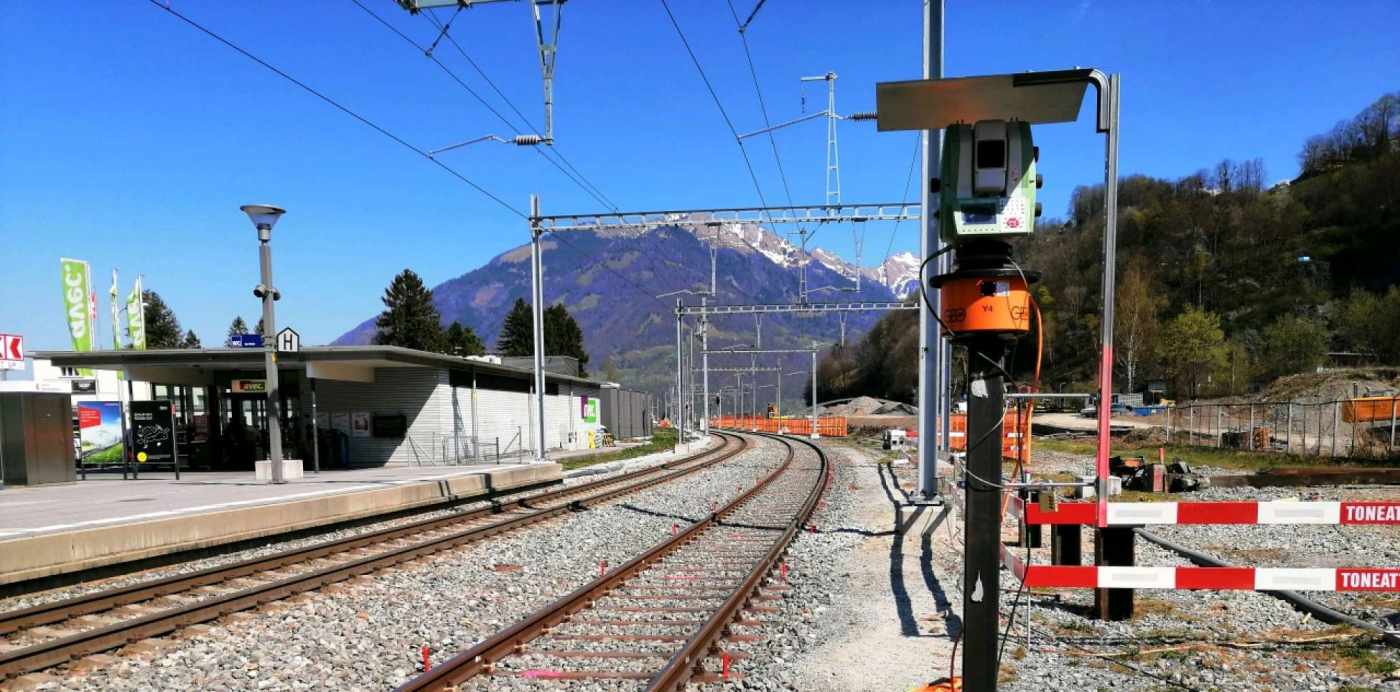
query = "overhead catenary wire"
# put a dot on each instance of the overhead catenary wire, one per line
(748, 164)
(762, 105)
(466, 87)
(342, 108)
(908, 181)
(553, 148)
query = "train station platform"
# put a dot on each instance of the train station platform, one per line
(55, 529)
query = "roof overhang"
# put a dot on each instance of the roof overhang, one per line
(351, 363)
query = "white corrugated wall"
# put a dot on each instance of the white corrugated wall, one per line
(419, 394)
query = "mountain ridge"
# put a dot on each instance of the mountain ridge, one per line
(610, 279)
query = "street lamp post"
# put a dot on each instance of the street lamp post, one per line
(263, 217)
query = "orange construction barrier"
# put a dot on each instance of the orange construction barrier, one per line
(1015, 434)
(828, 426)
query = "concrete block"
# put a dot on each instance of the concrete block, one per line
(291, 469)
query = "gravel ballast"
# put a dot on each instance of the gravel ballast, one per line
(368, 633)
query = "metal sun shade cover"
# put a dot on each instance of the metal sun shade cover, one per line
(933, 104)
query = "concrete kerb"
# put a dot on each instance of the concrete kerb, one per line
(33, 557)
(638, 462)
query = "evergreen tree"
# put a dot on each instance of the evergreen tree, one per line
(237, 327)
(191, 340)
(517, 331)
(463, 341)
(259, 329)
(409, 318)
(563, 336)
(162, 328)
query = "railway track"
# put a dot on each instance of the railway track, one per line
(661, 618)
(51, 634)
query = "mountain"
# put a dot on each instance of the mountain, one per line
(609, 279)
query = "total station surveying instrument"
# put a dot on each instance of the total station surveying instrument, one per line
(987, 194)
(984, 196)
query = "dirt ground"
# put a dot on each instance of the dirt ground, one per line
(903, 607)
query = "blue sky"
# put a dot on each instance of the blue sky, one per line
(130, 139)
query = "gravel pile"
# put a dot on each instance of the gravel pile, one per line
(369, 633)
(277, 546)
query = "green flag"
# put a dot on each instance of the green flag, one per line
(79, 303)
(136, 317)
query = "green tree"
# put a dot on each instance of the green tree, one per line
(162, 328)
(563, 336)
(1291, 345)
(237, 327)
(1369, 323)
(409, 318)
(260, 330)
(1192, 347)
(517, 336)
(462, 341)
(1135, 319)
(191, 340)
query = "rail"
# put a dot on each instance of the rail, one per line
(516, 513)
(483, 657)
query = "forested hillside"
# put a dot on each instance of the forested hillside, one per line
(1223, 283)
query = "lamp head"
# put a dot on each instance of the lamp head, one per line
(263, 216)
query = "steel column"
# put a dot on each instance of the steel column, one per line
(274, 394)
(930, 339)
(537, 299)
(1110, 255)
(680, 398)
(814, 434)
(705, 363)
(982, 533)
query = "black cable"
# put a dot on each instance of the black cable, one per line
(718, 104)
(366, 121)
(762, 106)
(594, 189)
(923, 288)
(466, 87)
(908, 180)
(1020, 589)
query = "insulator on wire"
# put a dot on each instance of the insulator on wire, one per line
(528, 140)
(863, 115)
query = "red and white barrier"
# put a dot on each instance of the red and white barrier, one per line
(1347, 512)
(1385, 579)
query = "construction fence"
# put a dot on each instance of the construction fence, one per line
(827, 426)
(1347, 428)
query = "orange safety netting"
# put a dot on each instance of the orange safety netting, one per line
(827, 426)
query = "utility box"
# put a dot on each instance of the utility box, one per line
(36, 438)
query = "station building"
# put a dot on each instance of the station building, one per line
(371, 405)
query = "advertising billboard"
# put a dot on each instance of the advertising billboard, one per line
(152, 431)
(100, 432)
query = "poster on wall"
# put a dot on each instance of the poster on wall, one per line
(153, 432)
(588, 409)
(359, 424)
(100, 432)
(341, 422)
